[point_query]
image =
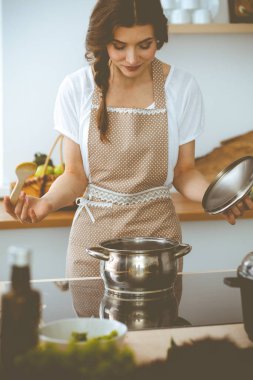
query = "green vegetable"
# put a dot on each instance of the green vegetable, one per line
(112, 335)
(83, 337)
(78, 337)
(94, 360)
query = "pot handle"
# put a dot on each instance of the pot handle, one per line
(184, 249)
(98, 252)
(233, 282)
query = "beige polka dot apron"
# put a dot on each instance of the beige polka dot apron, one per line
(126, 196)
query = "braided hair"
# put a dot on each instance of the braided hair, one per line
(106, 16)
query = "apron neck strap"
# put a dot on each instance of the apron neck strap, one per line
(158, 86)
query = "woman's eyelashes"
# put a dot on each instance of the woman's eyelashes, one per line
(143, 46)
(118, 47)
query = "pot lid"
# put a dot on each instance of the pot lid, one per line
(246, 268)
(229, 186)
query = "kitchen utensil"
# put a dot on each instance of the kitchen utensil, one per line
(230, 186)
(23, 171)
(244, 281)
(140, 265)
(59, 332)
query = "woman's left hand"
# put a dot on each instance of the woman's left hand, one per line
(238, 209)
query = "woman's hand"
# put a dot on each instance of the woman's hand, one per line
(238, 209)
(28, 209)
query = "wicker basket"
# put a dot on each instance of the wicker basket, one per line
(38, 186)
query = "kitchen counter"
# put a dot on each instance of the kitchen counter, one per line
(207, 308)
(151, 345)
(187, 211)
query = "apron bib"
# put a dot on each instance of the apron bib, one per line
(132, 166)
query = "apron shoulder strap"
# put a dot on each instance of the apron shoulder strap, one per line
(158, 84)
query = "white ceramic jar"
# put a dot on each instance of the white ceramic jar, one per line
(201, 16)
(168, 4)
(180, 16)
(190, 4)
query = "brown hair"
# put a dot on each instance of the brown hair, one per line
(105, 18)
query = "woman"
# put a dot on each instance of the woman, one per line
(130, 122)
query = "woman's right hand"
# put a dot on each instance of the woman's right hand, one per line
(28, 209)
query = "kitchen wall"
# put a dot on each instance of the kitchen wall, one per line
(42, 42)
(1, 96)
(215, 246)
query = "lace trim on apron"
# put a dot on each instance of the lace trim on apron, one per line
(136, 111)
(108, 198)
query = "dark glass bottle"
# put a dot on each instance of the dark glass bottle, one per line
(20, 310)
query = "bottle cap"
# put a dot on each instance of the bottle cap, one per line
(19, 256)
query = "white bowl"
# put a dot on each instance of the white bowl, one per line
(59, 332)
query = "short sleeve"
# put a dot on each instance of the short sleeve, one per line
(191, 115)
(66, 111)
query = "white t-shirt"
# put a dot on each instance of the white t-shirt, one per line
(184, 109)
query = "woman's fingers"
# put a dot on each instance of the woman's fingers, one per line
(28, 214)
(31, 213)
(8, 207)
(22, 211)
(25, 217)
(241, 206)
(248, 202)
(229, 216)
(238, 209)
(33, 216)
(19, 205)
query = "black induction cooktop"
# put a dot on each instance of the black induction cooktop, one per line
(203, 300)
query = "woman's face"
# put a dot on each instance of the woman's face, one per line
(133, 49)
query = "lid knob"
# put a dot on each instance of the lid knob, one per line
(246, 267)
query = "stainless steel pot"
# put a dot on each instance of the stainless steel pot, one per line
(140, 314)
(139, 265)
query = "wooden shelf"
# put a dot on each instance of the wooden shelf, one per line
(210, 28)
(187, 211)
